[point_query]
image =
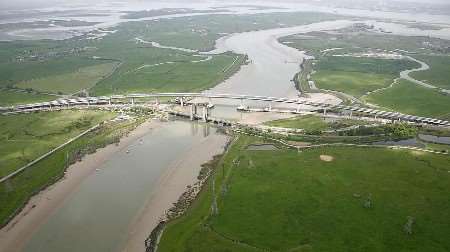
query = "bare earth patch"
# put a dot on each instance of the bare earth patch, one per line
(326, 158)
(417, 153)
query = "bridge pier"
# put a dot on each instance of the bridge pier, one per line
(109, 101)
(205, 114)
(182, 101)
(132, 101)
(193, 111)
(324, 111)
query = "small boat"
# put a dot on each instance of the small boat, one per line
(243, 108)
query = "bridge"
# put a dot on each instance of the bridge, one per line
(183, 98)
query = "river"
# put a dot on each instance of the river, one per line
(105, 208)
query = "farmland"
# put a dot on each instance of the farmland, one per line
(358, 76)
(409, 98)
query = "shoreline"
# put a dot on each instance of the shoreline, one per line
(179, 176)
(15, 235)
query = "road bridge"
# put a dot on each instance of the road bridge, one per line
(131, 99)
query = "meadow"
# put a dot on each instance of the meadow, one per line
(83, 78)
(409, 98)
(314, 123)
(357, 76)
(361, 40)
(439, 73)
(25, 137)
(11, 97)
(324, 199)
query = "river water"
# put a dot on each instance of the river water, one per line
(435, 139)
(98, 215)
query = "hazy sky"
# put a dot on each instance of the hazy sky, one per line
(7, 4)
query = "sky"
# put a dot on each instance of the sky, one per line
(28, 4)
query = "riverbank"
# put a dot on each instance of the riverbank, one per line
(181, 175)
(15, 235)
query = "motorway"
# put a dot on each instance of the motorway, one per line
(133, 99)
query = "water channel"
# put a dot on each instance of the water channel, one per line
(97, 216)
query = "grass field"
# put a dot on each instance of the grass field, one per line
(289, 201)
(352, 83)
(182, 76)
(68, 83)
(200, 33)
(25, 137)
(15, 192)
(354, 40)
(357, 76)
(409, 98)
(12, 97)
(314, 123)
(307, 122)
(439, 72)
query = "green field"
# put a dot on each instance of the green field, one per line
(12, 97)
(307, 122)
(288, 201)
(201, 32)
(179, 76)
(357, 76)
(25, 137)
(68, 83)
(352, 83)
(314, 123)
(409, 98)
(356, 40)
(439, 72)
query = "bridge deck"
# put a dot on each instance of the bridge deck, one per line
(130, 98)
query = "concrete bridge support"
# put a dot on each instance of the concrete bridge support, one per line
(205, 114)
(132, 101)
(109, 101)
(193, 111)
